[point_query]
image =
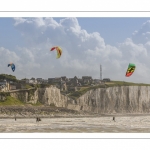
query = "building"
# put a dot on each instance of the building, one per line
(12, 87)
(87, 79)
(75, 81)
(26, 80)
(80, 82)
(45, 81)
(72, 81)
(97, 81)
(22, 81)
(106, 79)
(57, 80)
(63, 86)
(4, 86)
(50, 80)
(33, 81)
(64, 78)
(39, 80)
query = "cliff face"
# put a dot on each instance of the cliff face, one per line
(127, 99)
(52, 96)
(47, 96)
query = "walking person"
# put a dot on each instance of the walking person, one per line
(114, 119)
(37, 119)
(15, 118)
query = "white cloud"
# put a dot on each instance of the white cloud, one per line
(83, 52)
(143, 35)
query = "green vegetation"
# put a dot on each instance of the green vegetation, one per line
(11, 101)
(8, 77)
(5, 93)
(122, 83)
(42, 85)
(27, 86)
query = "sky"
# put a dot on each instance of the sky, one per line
(86, 43)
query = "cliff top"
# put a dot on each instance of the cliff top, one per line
(83, 90)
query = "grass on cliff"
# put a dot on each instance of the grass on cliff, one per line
(123, 83)
(28, 86)
(11, 101)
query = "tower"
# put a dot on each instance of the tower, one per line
(100, 72)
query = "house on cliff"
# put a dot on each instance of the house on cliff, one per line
(50, 80)
(106, 79)
(63, 86)
(4, 86)
(73, 81)
(33, 81)
(87, 79)
(45, 81)
(54, 80)
(12, 87)
(57, 80)
(39, 80)
(16, 86)
(97, 81)
(64, 78)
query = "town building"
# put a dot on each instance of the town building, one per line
(106, 79)
(4, 86)
(87, 79)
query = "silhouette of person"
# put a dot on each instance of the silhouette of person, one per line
(113, 118)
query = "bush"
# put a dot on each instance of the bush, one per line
(8, 77)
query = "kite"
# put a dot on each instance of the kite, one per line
(130, 70)
(59, 51)
(12, 66)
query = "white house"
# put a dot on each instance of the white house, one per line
(4, 86)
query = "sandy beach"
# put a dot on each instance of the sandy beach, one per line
(122, 124)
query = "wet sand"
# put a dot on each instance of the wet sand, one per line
(122, 124)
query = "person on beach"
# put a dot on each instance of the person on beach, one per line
(15, 118)
(37, 119)
(113, 118)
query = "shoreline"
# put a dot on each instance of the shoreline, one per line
(22, 112)
(70, 116)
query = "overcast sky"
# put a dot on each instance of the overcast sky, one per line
(86, 43)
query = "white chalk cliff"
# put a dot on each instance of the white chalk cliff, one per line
(123, 99)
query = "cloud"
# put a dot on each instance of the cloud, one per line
(143, 34)
(83, 52)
